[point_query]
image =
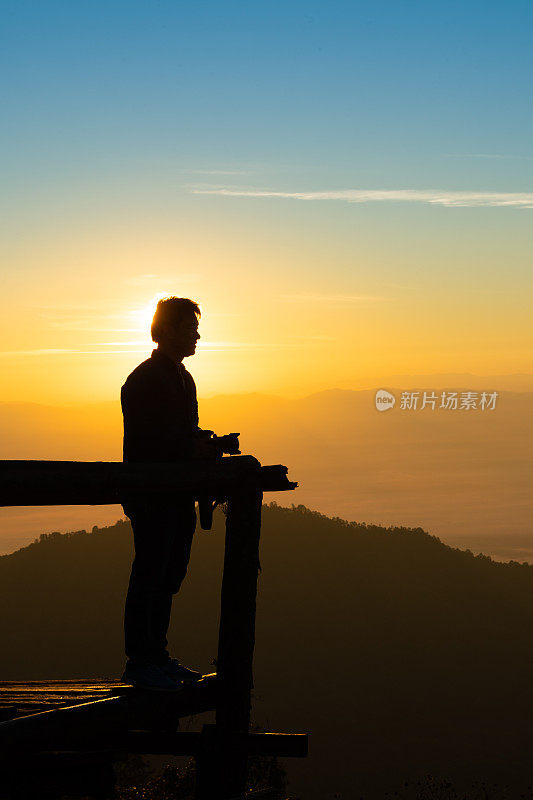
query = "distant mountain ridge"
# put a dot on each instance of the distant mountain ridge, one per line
(400, 655)
(464, 476)
(516, 382)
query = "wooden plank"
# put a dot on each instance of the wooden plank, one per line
(81, 682)
(87, 724)
(181, 743)
(290, 745)
(54, 693)
(274, 476)
(27, 697)
(32, 483)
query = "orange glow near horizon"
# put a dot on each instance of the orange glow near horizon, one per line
(273, 321)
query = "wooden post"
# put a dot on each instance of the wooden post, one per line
(221, 764)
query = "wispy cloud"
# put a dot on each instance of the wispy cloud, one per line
(124, 347)
(145, 279)
(330, 298)
(504, 156)
(86, 318)
(201, 345)
(428, 196)
(141, 280)
(52, 351)
(218, 171)
(145, 342)
(318, 338)
(81, 325)
(240, 345)
(43, 351)
(79, 316)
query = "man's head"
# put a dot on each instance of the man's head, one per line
(175, 326)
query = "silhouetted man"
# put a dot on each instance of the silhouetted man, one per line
(160, 424)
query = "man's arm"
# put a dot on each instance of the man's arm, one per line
(206, 444)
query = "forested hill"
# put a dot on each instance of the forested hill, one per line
(383, 643)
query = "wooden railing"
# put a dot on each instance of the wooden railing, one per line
(141, 721)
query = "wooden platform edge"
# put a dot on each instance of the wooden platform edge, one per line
(89, 724)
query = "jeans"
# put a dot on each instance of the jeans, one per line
(163, 531)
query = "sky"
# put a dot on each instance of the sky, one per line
(345, 187)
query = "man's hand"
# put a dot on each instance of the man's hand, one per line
(229, 443)
(207, 445)
(204, 445)
(206, 448)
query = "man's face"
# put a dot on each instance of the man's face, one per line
(184, 336)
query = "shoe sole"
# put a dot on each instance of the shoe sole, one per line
(178, 681)
(148, 688)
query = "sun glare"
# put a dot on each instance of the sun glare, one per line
(145, 314)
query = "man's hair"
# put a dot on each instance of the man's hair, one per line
(172, 311)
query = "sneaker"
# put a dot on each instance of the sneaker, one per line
(148, 676)
(173, 669)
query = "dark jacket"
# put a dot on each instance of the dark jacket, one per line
(160, 411)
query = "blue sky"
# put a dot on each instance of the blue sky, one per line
(391, 95)
(189, 141)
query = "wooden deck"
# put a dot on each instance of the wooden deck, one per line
(55, 718)
(23, 698)
(18, 698)
(78, 715)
